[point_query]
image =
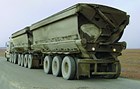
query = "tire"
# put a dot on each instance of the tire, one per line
(22, 60)
(7, 59)
(68, 68)
(19, 59)
(56, 66)
(30, 59)
(11, 58)
(33, 62)
(15, 58)
(25, 60)
(47, 65)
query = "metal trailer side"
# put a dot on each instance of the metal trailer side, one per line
(57, 34)
(20, 40)
(20, 44)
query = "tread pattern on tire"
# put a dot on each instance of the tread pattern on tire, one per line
(47, 65)
(68, 68)
(56, 66)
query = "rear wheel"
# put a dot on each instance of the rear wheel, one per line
(68, 68)
(30, 59)
(15, 58)
(25, 60)
(10, 58)
(56, 66)
(19, 59)
(33, 62)
(7, 59)
(22, 60)
(48, 65)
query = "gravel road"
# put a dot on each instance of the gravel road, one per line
(15, 77)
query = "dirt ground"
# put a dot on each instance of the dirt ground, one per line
(130, 63)
(2, 50)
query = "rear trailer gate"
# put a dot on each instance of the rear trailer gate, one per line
(88, 67)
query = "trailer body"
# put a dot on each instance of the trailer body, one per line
(20, 40)
(57, 37)
(82, 40)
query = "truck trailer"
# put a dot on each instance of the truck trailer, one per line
(82, 40)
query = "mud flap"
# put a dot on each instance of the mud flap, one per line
(83, 70)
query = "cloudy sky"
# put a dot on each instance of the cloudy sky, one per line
(17, 14)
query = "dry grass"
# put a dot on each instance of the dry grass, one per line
(130, 62)
(2, 50)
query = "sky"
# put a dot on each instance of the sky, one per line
(17, 14)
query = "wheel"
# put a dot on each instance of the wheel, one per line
(33, 62)
(47, 65)
(15, 58)
(68, 68)
(25, 60)
(7, 59)
(115, 76)
(11, 58)
(56, 66)
(19, 59)
(30, 59)
(22, 60)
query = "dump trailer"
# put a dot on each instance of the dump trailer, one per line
(20, 44)
(82, 40)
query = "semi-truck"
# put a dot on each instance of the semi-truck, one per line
(82, 40)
